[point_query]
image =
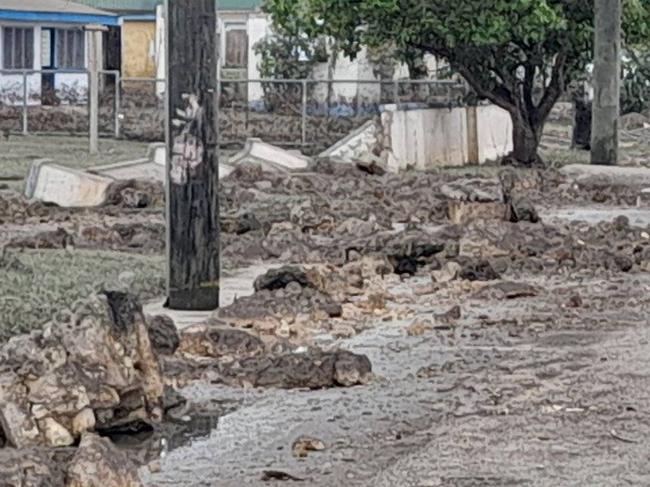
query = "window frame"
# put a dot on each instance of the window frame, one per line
(26, 54)
(63, 57)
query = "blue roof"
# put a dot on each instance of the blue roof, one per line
(57, 17)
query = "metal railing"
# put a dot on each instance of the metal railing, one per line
(299, 96)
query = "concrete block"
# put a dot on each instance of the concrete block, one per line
(65, 187)
(427, 138)
(157, 153)
(270, 157)
(463, 212)
(356, 145)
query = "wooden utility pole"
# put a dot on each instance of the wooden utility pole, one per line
(94, 66)
(192, 165)
(607, 76)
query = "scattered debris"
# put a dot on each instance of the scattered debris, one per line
(303, 445)
(269, 475)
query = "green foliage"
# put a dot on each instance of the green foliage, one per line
(519, 54)
(635, 90)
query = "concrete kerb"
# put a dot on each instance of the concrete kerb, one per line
(270, 157)
(69, 188)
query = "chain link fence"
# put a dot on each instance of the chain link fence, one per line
(303, 113)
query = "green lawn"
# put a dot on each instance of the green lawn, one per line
(37, 284)
(18, 152)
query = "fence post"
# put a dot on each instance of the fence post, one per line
(118, 83)
(25, 127)
(396, 93)
(94, 59)
(304, 113)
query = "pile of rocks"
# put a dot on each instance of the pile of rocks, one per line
(90, 370)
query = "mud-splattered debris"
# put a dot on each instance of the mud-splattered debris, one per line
(163, 334)
(270, 475)
(303, 445)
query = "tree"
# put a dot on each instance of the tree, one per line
(518, 54)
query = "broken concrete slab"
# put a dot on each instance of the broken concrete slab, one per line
(359, 144)
(270, 157)
(157, 153)
(135, 169)
(613, 174)
(65, 187)
(150, 168)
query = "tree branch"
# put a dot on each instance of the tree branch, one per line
(554, 90)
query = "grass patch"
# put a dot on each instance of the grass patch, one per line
(18, 153)
(37, 284)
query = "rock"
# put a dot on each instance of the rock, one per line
(418, 328)
(135, 193)
(313, 369)
(280, 278)
(98, 358)
(270, 475)
(343, 331)
(55, 434)
(218, 342)
(303, 445)
(98, 463)
(163, 334)
(84, 421)
(43, 467)
(447, 273)
(507, 290)
(240, 224)
(623, 263)
(480, 270)
(463, 212)
(373, 167)
(523, 210)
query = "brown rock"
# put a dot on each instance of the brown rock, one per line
(98, 463)
(91, 362)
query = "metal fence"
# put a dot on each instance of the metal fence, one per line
(298, 112)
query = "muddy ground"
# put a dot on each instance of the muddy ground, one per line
(503, 352)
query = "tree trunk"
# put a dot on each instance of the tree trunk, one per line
(525, 140)
(607, 74)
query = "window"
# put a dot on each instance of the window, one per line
(18, 48)
(46, 48)
(70, 48)
(236, 48)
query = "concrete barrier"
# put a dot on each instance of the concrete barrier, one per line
(359, 144)
(270, 157)
(428, 138)
(65, 187)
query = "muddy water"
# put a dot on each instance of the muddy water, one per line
(541, 396)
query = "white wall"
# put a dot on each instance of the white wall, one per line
(439, 137)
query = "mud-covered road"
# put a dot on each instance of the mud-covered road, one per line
(504, 315)
(524, 391)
